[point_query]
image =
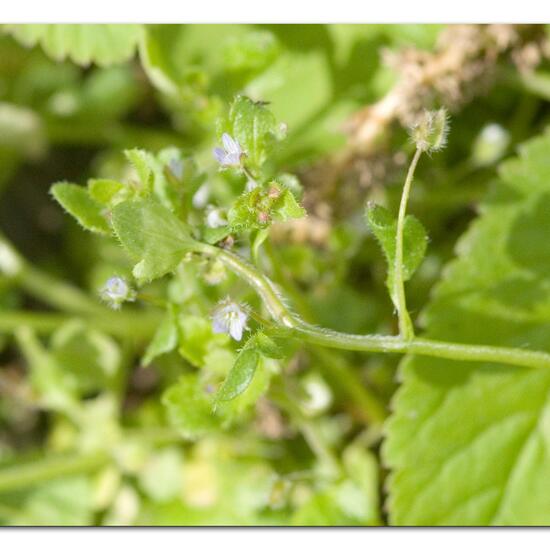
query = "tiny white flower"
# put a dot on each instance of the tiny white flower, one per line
(230, 318)
(215, 218)
(231, 153)
(116, 291)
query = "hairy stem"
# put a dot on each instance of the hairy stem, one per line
(367, 402)
(406, 329)
(292, 325)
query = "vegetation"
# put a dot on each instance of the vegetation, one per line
(274, 275)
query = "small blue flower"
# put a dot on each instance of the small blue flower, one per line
(230, 318)
(231, 153)
(116, 291)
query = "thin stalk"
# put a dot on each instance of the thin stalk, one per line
(406, 329)
(293, 326)
(20, 476)
(66, 298)
(126, 324)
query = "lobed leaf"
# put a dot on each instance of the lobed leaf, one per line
(83, 44)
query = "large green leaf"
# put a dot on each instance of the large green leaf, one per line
(83, 44)
(469, 444)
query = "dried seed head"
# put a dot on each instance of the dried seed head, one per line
(430, 132)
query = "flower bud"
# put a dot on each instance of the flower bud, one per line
(430, 132)
(490, 145)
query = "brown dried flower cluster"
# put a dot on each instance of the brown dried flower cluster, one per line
(463, 65)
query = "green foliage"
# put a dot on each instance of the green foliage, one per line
(263, 205)
(83, 44)
(255, 128)
(146, 414)
(467, 442)
(153, 235)
(77, 202)
(242, 372)
(164, 340)
(415, 241)
(189, 407)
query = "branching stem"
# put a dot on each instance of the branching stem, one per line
(291, 325)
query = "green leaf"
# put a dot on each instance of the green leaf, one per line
(107, 192)
(153, 235)
(415, 241)
(251, 52)
(77, 202)
(468, 443)
(242, 372)
(287, 207)
(172, 178)
(196, 338)
(47, 378)
(213, 235)
(298, 85)
(267, 347)
(165, 339)
(83, 44)
(141, 161)
(189, 407)
(253, 125)
(240, 375)
(88, 358)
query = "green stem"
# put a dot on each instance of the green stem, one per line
(406, 329)
(293, 326)
(127, 324)
(66, 298)
(25, 475)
